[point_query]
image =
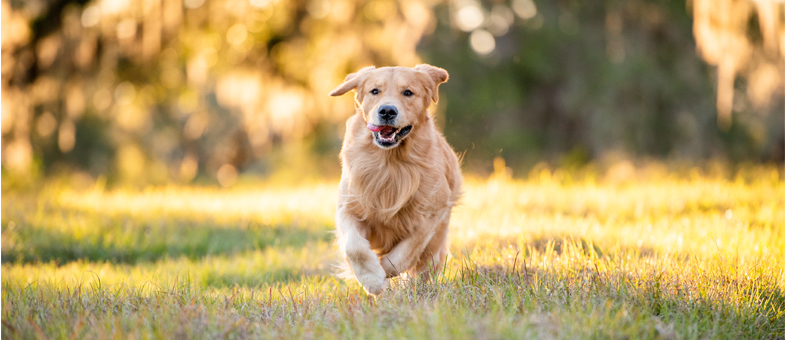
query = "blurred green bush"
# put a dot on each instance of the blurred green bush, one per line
(160, 91)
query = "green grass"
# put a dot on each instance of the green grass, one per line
(653, 256)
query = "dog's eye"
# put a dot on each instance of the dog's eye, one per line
(408, 93)
(374, 91)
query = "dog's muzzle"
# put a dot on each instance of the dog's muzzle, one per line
(387, 136)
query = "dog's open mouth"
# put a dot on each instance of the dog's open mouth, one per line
(387, 135)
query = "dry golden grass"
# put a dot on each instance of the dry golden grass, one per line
(636, 256)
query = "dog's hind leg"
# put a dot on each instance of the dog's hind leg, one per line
(407, 253)
(434, 256)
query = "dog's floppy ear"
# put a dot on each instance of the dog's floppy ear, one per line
(351, 81)
(438, 75)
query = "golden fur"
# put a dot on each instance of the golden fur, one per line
(395, 203)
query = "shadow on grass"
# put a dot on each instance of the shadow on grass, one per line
(263, 278)
(552, 242)
(687, 302)
(132, 239)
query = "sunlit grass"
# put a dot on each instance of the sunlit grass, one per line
(648, 257)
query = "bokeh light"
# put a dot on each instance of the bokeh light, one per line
(482, 42)
(196, 84)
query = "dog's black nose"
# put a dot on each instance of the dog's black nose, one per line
(387, 112)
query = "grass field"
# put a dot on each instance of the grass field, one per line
(645, 256)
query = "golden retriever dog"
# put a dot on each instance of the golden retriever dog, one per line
(400, 178)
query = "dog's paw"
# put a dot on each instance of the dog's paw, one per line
(374, 284)
(390, 269)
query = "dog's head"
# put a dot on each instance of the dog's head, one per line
(394, 100)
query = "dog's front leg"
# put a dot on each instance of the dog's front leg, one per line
(364, 262)
(404, 255)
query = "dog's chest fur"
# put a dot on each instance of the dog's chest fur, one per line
(394, 191)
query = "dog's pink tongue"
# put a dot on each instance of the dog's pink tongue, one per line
(374, 128)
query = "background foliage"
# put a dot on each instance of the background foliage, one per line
(157, 91)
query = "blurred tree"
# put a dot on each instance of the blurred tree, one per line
(166, 89)
(744, 38)
(169, 90)
(569, 81)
